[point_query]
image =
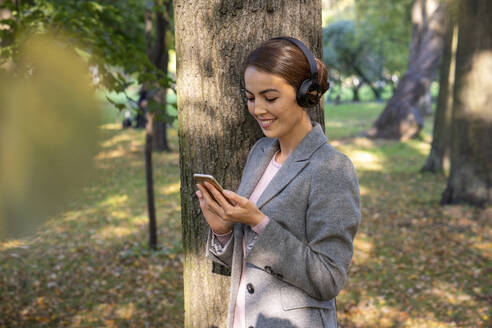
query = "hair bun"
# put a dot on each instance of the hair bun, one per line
(322, 76)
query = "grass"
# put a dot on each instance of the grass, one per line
(349, 119)
(416, 264)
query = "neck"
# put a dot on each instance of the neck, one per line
(290, 141)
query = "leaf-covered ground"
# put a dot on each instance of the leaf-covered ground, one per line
(416, 264)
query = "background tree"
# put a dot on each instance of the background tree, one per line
(366, 40)
(109, 35)
(215, 129)
(351, 54)
(402, 117)
(438, 158)
(470, 179)
(159, 40)
(387, 26)
(157, 48)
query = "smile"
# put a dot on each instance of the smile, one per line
(267, 123)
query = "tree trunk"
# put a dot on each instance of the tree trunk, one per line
(402, 118)
(150, 182)
(160, 58)
(356, 94)
(470, 179)
(438, 158)
(149, 136)
(376, 90)
(355, 89)
(424, 103)
(213, 39)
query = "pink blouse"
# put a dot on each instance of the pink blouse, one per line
(239, 309)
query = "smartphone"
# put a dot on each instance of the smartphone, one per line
(202, 178)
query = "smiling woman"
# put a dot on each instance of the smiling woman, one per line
(276, 109)
(283, 79)
(287, 234)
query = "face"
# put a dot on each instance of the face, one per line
(272, 102)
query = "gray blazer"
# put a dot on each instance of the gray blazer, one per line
(299, 263)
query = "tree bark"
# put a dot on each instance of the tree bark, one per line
(470, 179)
(438, 158)
(402, 118)
(213, 39)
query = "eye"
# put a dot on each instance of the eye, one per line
(250, 99)
(271, 99)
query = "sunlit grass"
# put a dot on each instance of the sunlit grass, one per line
(347, 120)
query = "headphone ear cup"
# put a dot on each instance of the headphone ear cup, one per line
(303, 90)
(313, 94)
(308, 93)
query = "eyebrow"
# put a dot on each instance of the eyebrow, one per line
(262, 92)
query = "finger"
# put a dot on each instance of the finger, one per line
(218, 196)
(239, 200)
(204, 193)
(201, 200)
(210, 203)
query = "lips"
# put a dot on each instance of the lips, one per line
(267, 123)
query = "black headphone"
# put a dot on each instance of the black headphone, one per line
(309, 93)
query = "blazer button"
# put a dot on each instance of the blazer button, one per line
(268, 269)
(251, 327)
(250, 288)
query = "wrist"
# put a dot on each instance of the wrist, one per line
(222, 232)
(257, 219)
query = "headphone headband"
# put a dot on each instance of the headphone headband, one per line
(307, 53)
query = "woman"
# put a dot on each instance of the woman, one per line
(288, 237)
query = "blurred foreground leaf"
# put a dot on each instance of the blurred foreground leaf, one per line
(49, 121)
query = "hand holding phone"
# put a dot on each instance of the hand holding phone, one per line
(243, 210)
(202, 178)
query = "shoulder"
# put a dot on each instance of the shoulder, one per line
(330, 164)
(261, 143)
(330, 158)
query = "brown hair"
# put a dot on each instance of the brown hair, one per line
(285, 59)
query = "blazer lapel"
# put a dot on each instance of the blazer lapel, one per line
(294, 164)
(284, 176)
(256, 167)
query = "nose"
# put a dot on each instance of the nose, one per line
(258, 109)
